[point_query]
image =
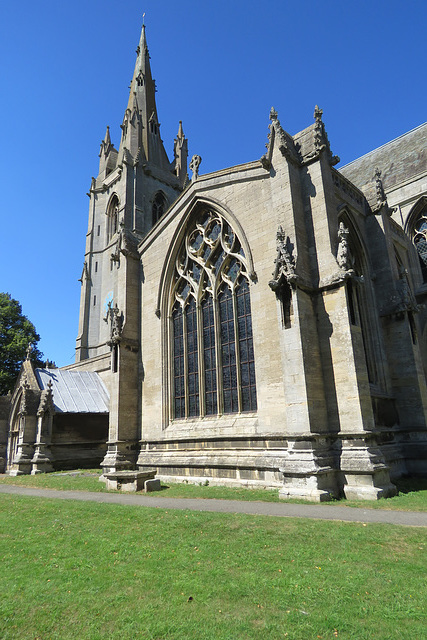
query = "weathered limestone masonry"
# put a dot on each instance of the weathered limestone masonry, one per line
(263, 325)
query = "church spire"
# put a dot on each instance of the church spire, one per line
(141, 129)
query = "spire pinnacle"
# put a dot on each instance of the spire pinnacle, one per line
(107, 138)
(141, 134)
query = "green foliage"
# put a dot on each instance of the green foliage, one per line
(16, 334)
(101, 571)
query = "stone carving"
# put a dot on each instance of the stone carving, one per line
(343, 252)
(408, 302)
(319, 144)
(194, 167)
(46, 401)
(284, 142)
(284, 270)
(85, 273)
(320, 140)
(381, 197)
(126, 244)
(23, 409)
(115, 318)
(403, 300)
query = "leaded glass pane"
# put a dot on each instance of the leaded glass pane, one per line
(209, 356)
(192, 359)
(247, 363)
(178, 362)
(228, 347)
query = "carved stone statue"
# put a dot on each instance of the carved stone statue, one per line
(343, 252)
(115, 318)
(284, 268)
(194, 167)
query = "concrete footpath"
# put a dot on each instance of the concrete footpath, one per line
(281, 510)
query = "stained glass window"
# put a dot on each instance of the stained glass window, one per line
(213, 366)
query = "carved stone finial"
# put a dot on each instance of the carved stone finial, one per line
(284, 269)
(273, 114)
(30, 349)
(318, 113)
(381, 197)
(343, 253)
(46, 404)
(194, 167)
(85, 273)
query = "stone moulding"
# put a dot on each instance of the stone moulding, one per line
(313, 467)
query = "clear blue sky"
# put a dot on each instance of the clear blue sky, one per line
(219, 67)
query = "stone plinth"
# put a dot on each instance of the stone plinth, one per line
(131, 481)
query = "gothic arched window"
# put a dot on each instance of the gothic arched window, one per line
(358, 297)
(213, 368)
(112, 217)
(159, 207)
(420, 241)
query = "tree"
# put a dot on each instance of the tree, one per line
(17, 333)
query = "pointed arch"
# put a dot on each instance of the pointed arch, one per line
(158, 207)
(416, 228)
(360, 298)
(206, 314)
(112, 213)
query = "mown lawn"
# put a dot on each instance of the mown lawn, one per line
(412, 492)
(105, 572)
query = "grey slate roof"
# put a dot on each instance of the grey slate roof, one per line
(75, 391)
(398, 160)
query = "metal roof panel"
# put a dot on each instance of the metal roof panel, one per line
(75, 391)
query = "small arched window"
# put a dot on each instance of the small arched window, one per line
(420, 240)
(212, 359)
(112, 217)
(159, 207)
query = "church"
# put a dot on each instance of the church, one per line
(262, 326)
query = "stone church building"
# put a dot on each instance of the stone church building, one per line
(262, 325)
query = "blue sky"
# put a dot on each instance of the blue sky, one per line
(219, 67)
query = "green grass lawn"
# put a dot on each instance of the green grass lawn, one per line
(105, 572)
(412, 492)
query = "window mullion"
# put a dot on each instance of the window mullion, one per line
(200, 352)
(237, 347)
(185, 344)
(218, 357)
(171, 369)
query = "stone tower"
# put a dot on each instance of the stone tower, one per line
(134, 187)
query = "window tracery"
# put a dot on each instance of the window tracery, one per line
(213, 368)
(420, 241)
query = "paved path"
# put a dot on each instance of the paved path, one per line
(287, 510)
